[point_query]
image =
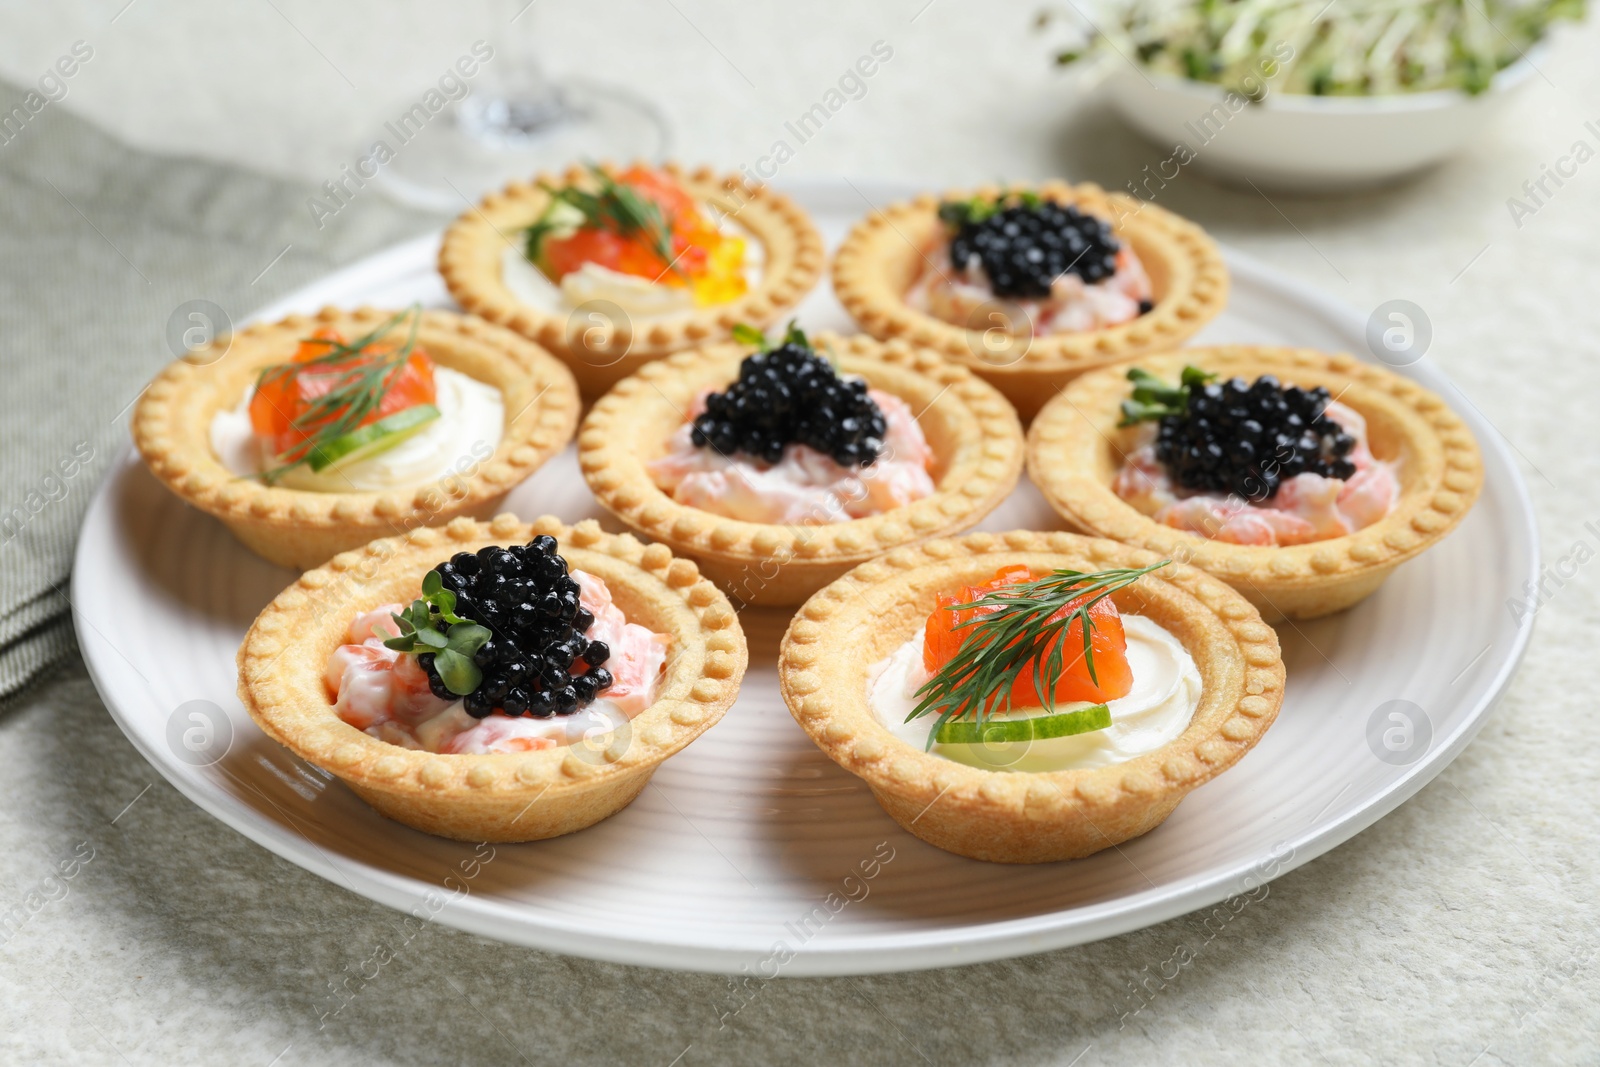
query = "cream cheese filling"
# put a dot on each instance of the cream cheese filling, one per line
(1166, 690)
(469, 427)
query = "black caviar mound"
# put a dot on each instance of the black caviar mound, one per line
(1247, 438)
(791, 395)
(1028, 245)
(538, 662)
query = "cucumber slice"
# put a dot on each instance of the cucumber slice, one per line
(375, 437)
(1039, 728)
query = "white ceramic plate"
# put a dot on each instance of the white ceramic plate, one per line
(752, 849)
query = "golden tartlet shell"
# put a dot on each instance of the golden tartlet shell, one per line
(600, 350)
(297, 528)
(827, 655)
(885, 253)
(522, 796)
(975, 437)
(1075, 449)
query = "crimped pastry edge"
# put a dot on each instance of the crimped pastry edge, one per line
(281, 663)
(469, 261)
(979, 474)
(171, 428)
(989, 814)
(1440, 480)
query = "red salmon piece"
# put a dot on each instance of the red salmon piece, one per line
(1113, 677)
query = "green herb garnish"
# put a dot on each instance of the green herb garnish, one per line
(1154, 399)
(363, 379)
(1016, 627)
(957, 213)
(430, 625)
(746, 334)
(1313, 47)
(613, 206)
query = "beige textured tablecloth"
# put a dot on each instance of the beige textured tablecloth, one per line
(1460, 930)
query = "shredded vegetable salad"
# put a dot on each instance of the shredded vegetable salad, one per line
(1315, 47)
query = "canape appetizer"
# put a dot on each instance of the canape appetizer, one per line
(1031, 286)
(1301, 478)
(612, 268)
(1028, 697)
(791, 441)
(1004, 676)
(780, 467)
(494, 682)
(313, 435)
(1251, 462)
(1058, 269)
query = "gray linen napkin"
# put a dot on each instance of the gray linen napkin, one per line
(102, 249)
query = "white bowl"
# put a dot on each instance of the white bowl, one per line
(1303, 143)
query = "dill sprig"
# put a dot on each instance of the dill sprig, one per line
(364, 379)
(1016, 626)
(613, 206)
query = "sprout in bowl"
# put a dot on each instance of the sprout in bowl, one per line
(1307, 94)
